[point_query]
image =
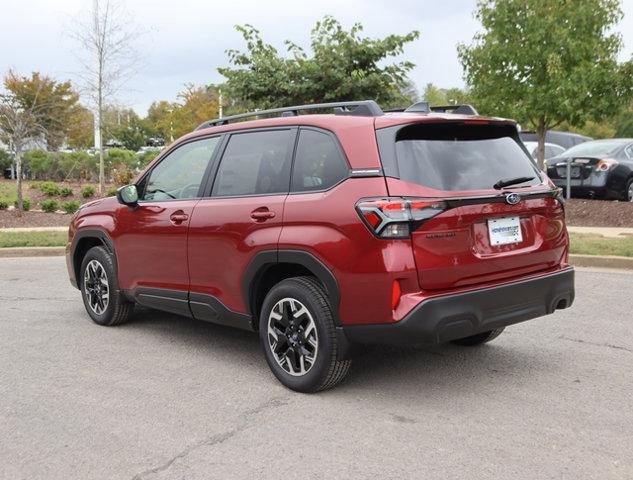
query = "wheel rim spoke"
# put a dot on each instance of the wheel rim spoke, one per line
(96, 287)
(292, 336)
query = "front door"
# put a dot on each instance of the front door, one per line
(152, 244)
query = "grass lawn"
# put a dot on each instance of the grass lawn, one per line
(33, 239)
(589, 244)
(582, 243)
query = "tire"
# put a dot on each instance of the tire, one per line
(628, 191)
(98, 277)
(310, 335)
(479, 339)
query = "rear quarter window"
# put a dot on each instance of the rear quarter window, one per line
(458, 157)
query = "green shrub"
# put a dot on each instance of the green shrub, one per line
(65, 191)
(49, 188)
(117, 156)
(88, 191)
(41, 163)
(50, 205)
(71, 206)
(146, 157)
(111, 192)
(26, 204)
(4, 203)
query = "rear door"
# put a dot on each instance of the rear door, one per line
(240, 215)
(484, 233)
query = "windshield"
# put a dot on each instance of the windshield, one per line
(594, 149)
(458, 157)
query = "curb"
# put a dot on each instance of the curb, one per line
(601, 261)
(608, 261)
(15, 252)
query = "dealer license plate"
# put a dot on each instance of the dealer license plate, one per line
(504, 231)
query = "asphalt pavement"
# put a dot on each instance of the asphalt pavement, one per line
(166, 397)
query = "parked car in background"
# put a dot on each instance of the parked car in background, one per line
(601, 168)
(564, 139)
(551, 149)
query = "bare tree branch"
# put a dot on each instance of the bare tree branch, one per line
(106, 36)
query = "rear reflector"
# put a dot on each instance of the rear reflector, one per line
(396, 293)
(397, 217)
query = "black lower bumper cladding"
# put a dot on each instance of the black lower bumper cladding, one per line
(460, 315)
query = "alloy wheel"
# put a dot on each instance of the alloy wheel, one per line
(292, 336)
(96, 287)
(629, 193)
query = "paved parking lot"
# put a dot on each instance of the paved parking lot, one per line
(170, 398)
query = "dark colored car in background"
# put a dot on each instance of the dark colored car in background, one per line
(564, 139)
(601, 168)
(325, 231)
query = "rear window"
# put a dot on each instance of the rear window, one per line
(459, 156)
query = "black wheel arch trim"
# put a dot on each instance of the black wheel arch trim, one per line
(266, 259)
(93, 233)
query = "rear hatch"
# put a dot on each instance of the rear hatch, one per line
(496, 216)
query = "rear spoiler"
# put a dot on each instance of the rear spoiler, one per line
(424, 107)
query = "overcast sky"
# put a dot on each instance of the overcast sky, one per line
(185, 41)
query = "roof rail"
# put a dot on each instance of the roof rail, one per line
(362, 108)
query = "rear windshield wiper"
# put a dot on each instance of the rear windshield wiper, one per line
(511, 181)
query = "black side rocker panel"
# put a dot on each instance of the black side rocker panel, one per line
(189, 304)
(450, 317)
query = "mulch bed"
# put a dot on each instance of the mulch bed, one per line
(599, 213)
(10, 219)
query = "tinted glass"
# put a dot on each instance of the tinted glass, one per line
(456, 157)
(255, 163)
(319, 163)
(602, 147)
(180, 173)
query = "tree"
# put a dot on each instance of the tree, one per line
(19, 124)
(57, 100)
(81, 128)
(445, 96)
(106, 36)
(342, 66)
(196, 104)
(547, 62)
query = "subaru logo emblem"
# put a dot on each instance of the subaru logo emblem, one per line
(513, 198)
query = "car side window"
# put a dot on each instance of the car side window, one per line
(255, 163)
(629, 151)
(179, 174)
(319, 163)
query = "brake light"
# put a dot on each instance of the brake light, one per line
(605, 164)
(396, 217)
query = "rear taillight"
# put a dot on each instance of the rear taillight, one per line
(606, 164)
(397, 217)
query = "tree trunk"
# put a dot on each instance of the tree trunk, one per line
(541, 130)
(18, 168)
(100, 124)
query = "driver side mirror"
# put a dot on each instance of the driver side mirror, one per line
(127, 195)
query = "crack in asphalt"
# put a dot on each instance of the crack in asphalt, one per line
(595, 344)
(217, 438)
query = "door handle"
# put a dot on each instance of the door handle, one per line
(262, 214)
(178, 217)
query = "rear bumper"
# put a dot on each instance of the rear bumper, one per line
(460, 315)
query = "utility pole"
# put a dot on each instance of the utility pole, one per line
(220, 112)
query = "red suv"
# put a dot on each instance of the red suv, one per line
(327, 230)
